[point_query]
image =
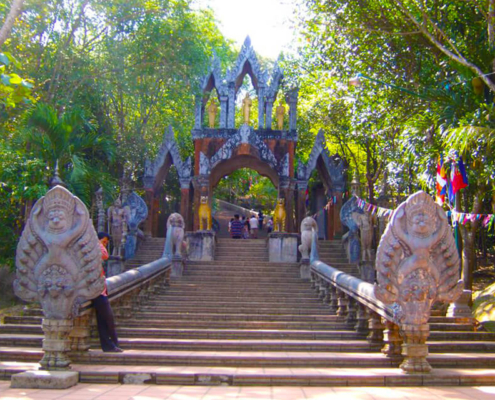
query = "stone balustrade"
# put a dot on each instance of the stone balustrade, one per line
(126, 292)
(417, 264)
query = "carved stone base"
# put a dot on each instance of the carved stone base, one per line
(44, 380)
(462, 307)
(282, 247)
(305, 269)
(177, 266)
(56, 344)
(392, 340)
(201, 245)
(115, 267)
(415, 349)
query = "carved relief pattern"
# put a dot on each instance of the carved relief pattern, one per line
(137, 212)
(244, 135)
(334, 165)
(417, 261)
(58, 257)
(169, 146)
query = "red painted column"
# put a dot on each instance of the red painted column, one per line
(337, 225)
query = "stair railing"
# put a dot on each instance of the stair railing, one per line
(127, 292)
(354, 299)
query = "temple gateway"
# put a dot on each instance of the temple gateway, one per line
(221, 147)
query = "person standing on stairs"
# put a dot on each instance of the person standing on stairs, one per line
(104, 314)
(236, 228)
(253, 224)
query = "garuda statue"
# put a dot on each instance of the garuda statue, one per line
(417, 264)
(58, 264)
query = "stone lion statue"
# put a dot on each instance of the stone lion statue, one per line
(204, 213)
(279, 216)
(308, 225)
(175, 224)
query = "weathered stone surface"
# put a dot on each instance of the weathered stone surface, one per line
(282, 247)
(201, 245)
(363, 221)
(114, 267)
(305, 269)
(351, 239)
(45, 380)
(116, 225)
(461, 307)
(417, 264)
(137, 379)
(308, 225)
(136, 212)
(58, 264)
(175, 236)
(58, 257)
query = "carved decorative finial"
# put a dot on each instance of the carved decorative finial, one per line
(56, 180)
(417, 264)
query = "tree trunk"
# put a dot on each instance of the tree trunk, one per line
(469, 248)
(15, 10)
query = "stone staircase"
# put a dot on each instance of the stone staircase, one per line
(240, 320)
(149, 250)
(332, 253)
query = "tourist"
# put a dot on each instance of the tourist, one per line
(236, 228)
(245, 229)
(269, 225)
(230, 223)
(253, 224)
(260, 220)
(104, 314)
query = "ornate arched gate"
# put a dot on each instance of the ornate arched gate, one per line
(224, 148)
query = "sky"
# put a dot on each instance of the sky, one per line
(265, 21)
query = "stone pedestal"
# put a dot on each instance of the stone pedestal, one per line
(415, 349)
(201, 245)
(114, 267)
(282, 247)
(462, 306)
(56, 344)
(305, 269)
(177, 266)
(44, 380)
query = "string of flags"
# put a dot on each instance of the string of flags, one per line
(456, 217)
(371, 208)
(330, 203)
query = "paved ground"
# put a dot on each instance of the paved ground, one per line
(156, 392)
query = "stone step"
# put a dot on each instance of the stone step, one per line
(259, 334)
(238, 316)
(358, 345)
(178, 288)
(154, 321)
(239, 274)
(262, 280)
(241, 263)
(233, 376)
(254, 359)
(200, 301)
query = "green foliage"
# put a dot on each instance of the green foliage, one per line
(22, 181)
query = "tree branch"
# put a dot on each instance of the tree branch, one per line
(15, 11)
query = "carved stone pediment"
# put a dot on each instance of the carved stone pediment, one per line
(168, 147)
(245, 135)
(335, 166)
